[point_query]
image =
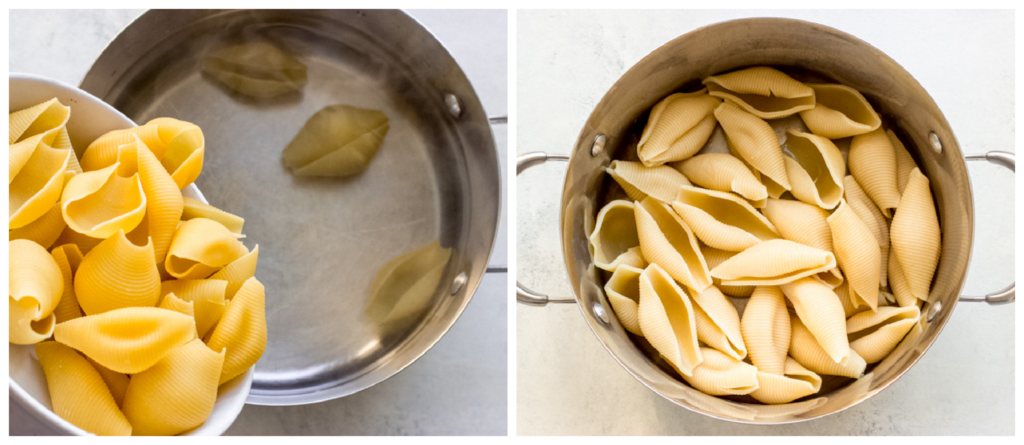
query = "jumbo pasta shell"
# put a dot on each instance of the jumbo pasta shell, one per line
(762, 91)
(194, 208)
(904, 162)
(84, 242)
(68, 259)
(37, 186)
(916, 236)
(822, 313)
(18, 155)
(724, 173)
(875, 334)
(872, 217)
(338, 140)
(164, 204)
(677, 128)
(242, 331)
(839, 112)
(171, 302)
(817, 176)
(207, 298)
(117, 274)
(45, 120)
(804, 348)
(667, 320)
(404, 286)
(44, 230)
(101, 203)
(755, 142)
(256, 69)
(772, 263)
(714, 257)
(766, 329)
(201, 247)
(116, 382)
(899, 286)
(183, 158)
(720, 375)
(177, 393)
(794, 383)
(800, 222)
(102, 152)
(238, 271)
(718, 323)
(872, 162)
(614, 234)
(128, 340)
(849, 306)
(722, 220)
(667, 241)
(623, 291)
(34, 290)
(857, 253)
(77, 392)
(639, 182)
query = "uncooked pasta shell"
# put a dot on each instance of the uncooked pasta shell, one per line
(899, 286)
(256, 69)
(857, 253)
(800, 222)
(101, 203)
(68, 258)
(37, 186)
(666, 318)
(238, 271)
(766, 329)
(206, 296)
(242, 331)
(772, 263)
(904, 162)
(623, 291)
(818, 170)
(722, 220)
(102, 152)
(872, 217)
(804, 348)
(201, 247)
(667, 241)
(116, 382)
(77, 392)
(677, 128)
(34, 290)
(821, 312)
(639, 182)
(714, 257)
(724, 173)
(755, 142)
(614, 234)
(171, 302)
(128, 340)
(720, 375)
(872, 162)
(83, 242)
(164, 204)
(183, 158)
(195, 208)
(916, 236)
(843, 292)
(338, 140)
(765, 92)
(875, 334)
(44, 230)
(795, 383)
(718, 323)
(44, 119)
(839, 112)
(18, 155)
(117, 274)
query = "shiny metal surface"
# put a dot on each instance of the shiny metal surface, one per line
(322, 241)
(805, 50)
(523, 294)
(1008, 294)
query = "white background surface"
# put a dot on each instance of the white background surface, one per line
(568, 384)
(461, 385)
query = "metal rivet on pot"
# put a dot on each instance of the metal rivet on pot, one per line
(933, 139)
(598, 146)
(452, 102)
(460, 281)
(934, 310)
(600, 313)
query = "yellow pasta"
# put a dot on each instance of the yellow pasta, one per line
(875, 334)
(623, 291)
(714, 257)
(818, 170)
(872, 217)
(794, 383)
(719, 375)
(183, 158)
(84, 242)
(666, 318)
(857, 253)
(772, 263)
(117, 274)
(766, 329)
(18, 155)
(37, 186)
(116, 382)
(102, 152)
(164, 204)
(194, 208)
(724, 173)
(614, 235)
(839, 112)
(639, 182)
(206, 296)
(68, 258)
(755, 142)
(242, 332)
(44, 230)
(34, 289)
(899, 286)
(338, 140)
(821, 312)
(722, 220)
(101, 203)
(171, 302)
(236, 272)
(872, 162)
(256, 69)
(128, 340)
(765, 92)
(718, 323)
(201, 247)
(916, 237)
(904, 162)
(78, 393)
(800, 222)
(804, 348)
(44, 120)
(677, 128)
(177, 393)
(667, 241)
(843, 292)
(404, 286)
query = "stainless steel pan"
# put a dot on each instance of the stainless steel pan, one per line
(322, 241)
(811, 51)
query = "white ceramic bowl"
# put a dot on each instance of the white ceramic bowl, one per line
(91, 118)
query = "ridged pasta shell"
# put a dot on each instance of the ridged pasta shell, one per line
(623, 291)
(720, 375)
(667, 241)
(755, 142)
(773, 262)
(800, 222)
(724, 173)
(667, 320)
(102, 152)
(832, 278)
(794, 383)
(177, 393)
(857, 253)
(872, 217)
(843, 292)
(839, 112)
(718, 323)
(256, 69)
(817, 177)
(183, 158)
(238, 271)
(242, 331)
(18, 155)
(84, 242)
(804, 348)
(762, 91)
(171, 302)
(899, 286)
(128, 340)
(45, 119)
(117, 274)
(34, 290)
(164, 203)
(68, 258)
(872, 162)
(766, 330)
(714, 257)
(77, 392)
(44, 230)
(404, 286)
(916, 237)
(822, 313)
(722, 220)
(37, 186)
(101, 203)
(904, 162)
(116, 382)
(195, 208)
(201, 247)
(639, 182)
(677, 128)
(338, 140)
(206, 296)
(614, 235)
(875, 334)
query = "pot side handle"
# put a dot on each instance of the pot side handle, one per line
(1007, 295)
(523, 294)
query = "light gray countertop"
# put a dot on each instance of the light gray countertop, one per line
(461, 385)
(568, 384)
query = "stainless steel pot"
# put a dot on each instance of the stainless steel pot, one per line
(613, 130)
(322, 241)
